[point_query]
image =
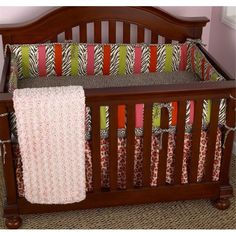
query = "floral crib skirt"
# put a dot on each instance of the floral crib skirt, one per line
(138, 159)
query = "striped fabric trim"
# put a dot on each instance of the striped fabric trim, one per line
(106, 59)
(192, 58)
(103, 120)
(156, 115)
(168, 61)
(174, 113)
(191, 112)
(183, 57)
(79, 59)
(208, 72)
(153, 59)
(58, 59)
(203, 68)
(214, 76)
(74, 60)
(90, 60)
(208, 111)
(137, 60)
(25, 61)
(42, 60)
(122, 60)
(139, 116)
(121, 116)
(198, 63)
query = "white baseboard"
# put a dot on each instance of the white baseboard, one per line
(234, 148)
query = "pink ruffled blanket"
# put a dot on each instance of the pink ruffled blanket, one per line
(51, 131)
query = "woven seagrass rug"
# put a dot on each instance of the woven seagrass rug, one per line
(198, 214)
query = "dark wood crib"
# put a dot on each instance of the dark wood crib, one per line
(46, 29)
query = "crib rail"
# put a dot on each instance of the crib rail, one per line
(148, 95)
(162, 93)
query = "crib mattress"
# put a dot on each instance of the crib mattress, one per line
(102, 81)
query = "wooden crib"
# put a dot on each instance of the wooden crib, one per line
(171, 28)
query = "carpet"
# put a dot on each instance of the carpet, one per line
(198, 214)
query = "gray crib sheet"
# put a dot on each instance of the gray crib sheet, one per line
(102, 81)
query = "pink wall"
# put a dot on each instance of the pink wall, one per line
(215, 34)
(222, 42)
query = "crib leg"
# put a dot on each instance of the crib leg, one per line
(221, 203)
(13, 222)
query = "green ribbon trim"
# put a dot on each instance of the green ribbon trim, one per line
(25, 61)
(168, 62)
(122, 61)
(74, 60)
(103, 117)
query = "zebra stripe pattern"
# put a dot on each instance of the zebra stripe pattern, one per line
(50, 65)
(114, 63)
(175, 57)
(33, 60)
(82, 70)
(72, 52)
(66, 62)
(98, 60)
(130, 59)
(161, 57)
(145, 64)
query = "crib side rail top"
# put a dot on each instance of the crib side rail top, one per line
(156, 93)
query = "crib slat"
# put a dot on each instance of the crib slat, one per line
(54, 39)
(68, 34)
(8, 167)
(112, 31)
(196, 135)
(227, 151)
(126, 32)
(154, 37)
(113, 121)
(163, 152)
(97, 32)
(130, 145)
(167, 40)
(211, 140)
(96, 159)
(83, 32)
(179, 141)
(140, 34)
(147, 138)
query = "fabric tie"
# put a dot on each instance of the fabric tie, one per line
(229, 129)
(4, 151)
(196, 41)
(3, 114)
(162, 131)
